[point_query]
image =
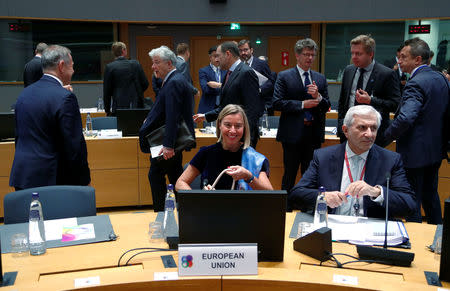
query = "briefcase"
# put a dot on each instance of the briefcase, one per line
(185, 140)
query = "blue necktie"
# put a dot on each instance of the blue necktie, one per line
(308, 115)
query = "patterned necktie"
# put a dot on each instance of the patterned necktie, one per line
(228, 75)
(308, 115)
(360, 84)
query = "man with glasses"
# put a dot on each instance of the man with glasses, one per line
(370, 83)
(302, 97)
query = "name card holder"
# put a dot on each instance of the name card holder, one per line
(217, 259)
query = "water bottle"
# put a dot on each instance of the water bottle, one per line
(169, 222)
(36, 230)
(100, 104)
(88, 124)
(321, 211)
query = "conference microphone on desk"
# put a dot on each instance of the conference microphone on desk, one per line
(384, 255)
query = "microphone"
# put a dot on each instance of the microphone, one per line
(205, 183)
(384, 255)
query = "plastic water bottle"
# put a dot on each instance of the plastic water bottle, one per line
(88, 124)
(36, 230)
(321, 211)
(169, 215)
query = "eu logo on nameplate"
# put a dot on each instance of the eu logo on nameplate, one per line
(217, 259)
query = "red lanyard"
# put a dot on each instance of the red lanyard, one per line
(350, 172)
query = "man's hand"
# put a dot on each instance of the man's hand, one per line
(167, 153)
(362, 96)
(335, 198)
(214, 84)
(361, 188)
(310, 103)
(313, 90)
(200, 117)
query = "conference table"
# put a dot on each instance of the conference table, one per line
(60, 267)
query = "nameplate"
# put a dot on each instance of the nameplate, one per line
(109, 133)
(217, 259)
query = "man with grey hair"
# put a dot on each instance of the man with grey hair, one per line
(33, 69)
(174, 103)
(355, 174)
(50, 146)
(368, 82)
(124, 81)
(301, 95)
(419, 127)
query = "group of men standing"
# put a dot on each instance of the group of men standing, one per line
(235, 76)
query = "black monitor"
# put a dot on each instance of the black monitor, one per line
(7, 125)
(225, 216)
(129, 121)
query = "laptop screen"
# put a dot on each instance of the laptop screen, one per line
(225, 216)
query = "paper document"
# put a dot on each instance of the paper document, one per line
(154, 151)
(261, 78)
(78, 232)
(54, 227)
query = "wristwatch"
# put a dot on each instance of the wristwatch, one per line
(250, 180)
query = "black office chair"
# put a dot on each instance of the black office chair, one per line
(273, 121)
(109, 122)
(57, 202)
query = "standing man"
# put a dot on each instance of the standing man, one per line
(50, 146)
(33, 69)
(419, 127)
(211, 78)
(368, 82)
(260, 66)
(124, 82)
(182, 65)
(172, 105)
(240, 87)
(301, 95)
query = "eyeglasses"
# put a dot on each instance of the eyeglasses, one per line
(308, 55)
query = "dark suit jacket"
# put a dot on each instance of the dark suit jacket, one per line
(288, 96)
(50, 146)
(174, 102)
(183, 67)
(383, 84)
(242, 88)
(419, 126)
(156, 85)
(208, 100)
(125, 82)
(32, 71)
(326, 170)
(267, 88)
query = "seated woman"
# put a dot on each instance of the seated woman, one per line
(232, 152)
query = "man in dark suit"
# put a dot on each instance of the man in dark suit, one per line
(260, 66)
(211, 78)
(182, 65)
(124, 82)
(33, 69)
(368, 82)
(419, 127)
(355, 173)
(240, 87)
(50, 146)
(302, 97)
(172, 105)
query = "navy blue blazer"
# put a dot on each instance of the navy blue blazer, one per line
(418, 128)
(288, 96)
(267, 88)
(50, 146)
(32, 71)
(184, 68)
(383, 85)
(208, 100)
(242, 88)
(326, 170)
(174, 102)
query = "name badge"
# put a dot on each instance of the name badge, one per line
(217, 259)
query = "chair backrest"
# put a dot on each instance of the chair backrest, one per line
(99, 123)
(273, 121)
(57, 202)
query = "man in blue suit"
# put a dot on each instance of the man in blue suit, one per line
(211, 78)
(260, 66)
(302, 97)
(419, 127)
(50, 146)
(173, 104)
(33, 69)
(355, 174)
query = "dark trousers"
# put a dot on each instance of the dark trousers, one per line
(159, 168)
(424, 182)
(295, 155)
(254, 135)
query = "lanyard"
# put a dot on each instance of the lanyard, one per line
(350, 172)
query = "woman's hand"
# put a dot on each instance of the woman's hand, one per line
(208, 187)
(238, 172)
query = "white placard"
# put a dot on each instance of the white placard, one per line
(217, 259)
(164, 276)
(85, 282)
(342, 279)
